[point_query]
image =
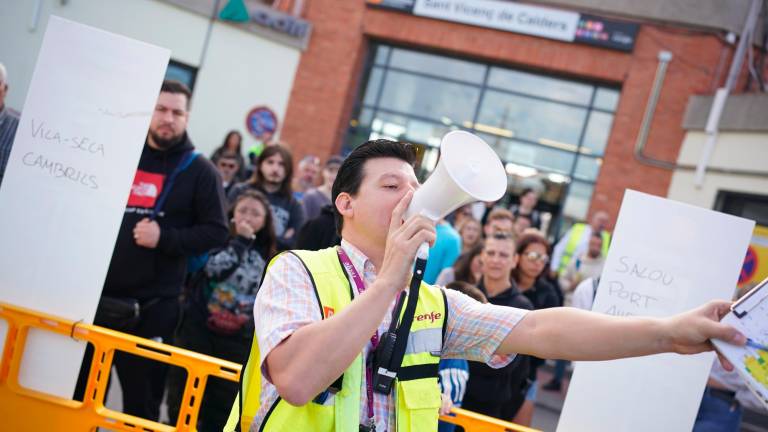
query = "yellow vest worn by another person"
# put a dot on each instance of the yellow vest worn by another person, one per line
(577, 232)
(416, 391)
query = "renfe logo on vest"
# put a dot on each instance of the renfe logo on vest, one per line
(432, 316)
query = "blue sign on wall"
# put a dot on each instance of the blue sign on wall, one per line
(261, 122)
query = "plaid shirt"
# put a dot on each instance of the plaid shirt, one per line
(9, 122)
(286, 302)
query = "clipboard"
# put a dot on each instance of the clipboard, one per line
(751, 300)
(750, 316)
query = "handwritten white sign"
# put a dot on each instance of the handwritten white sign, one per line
(78, 143)
(666, 257)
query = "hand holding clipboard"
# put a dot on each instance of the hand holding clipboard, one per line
(750, 316)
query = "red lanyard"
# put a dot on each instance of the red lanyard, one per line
(360, 286)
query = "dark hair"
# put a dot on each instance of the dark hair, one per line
(500, 214)
(527, 190)
(226, 140)
(519, 215)
(266, 239)
(258, 180)
(228, 155)
(469, 290)
(350, 175)
(176, 87)
(523, 243)
(503, 237)
(462, 268)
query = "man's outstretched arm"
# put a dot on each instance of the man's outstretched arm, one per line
(573, 334)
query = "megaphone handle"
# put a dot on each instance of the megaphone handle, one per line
(423, 252)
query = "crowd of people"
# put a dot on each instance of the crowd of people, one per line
(500, 258)
(198, 234)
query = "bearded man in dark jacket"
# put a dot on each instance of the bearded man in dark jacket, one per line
(175, 211)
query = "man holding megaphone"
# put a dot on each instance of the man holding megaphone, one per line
(349, 338)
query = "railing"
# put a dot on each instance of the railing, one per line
(24, 409)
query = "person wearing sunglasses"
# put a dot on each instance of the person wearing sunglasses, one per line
(232, 145)
(532, 249)
(228, 166)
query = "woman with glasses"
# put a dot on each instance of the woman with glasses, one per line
(532, 250)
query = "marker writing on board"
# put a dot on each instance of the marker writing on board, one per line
(756, 345)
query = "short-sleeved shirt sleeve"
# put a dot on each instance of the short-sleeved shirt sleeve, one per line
(475, 330)
(285, 303)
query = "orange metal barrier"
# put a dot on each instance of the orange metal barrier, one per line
(23, 409)
(474, 422)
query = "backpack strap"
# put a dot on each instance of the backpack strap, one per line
(184, 163)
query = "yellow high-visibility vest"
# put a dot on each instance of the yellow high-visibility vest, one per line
(577, 232)
(417, 392)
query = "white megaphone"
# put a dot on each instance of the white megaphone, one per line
(468, 170)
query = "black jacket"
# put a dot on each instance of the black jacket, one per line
(503, 384)
(320, 232)
(542, 295)
(191, 222)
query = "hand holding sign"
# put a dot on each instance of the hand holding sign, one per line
(666, 259)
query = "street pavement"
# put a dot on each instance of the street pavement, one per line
(545, 416)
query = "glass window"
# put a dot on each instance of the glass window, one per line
(531, 155)
(746, 205)
(549, 131)
(432, 64)
(409, 129)
(547, 123)
(388, 126)
(596, 135)
(587, 168)
(181, 72)
(382, 52)
(357, 136)
(577, 202)
(606, 99)
(365, 117)
(374, 83)
(540, 85)
(431, 98)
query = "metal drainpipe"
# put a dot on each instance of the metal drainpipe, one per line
(209, 30)
(35, 18)
(298, 8)
(642, 137)
(721, 96)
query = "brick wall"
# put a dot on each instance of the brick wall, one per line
(326, 83)
(326, 79)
